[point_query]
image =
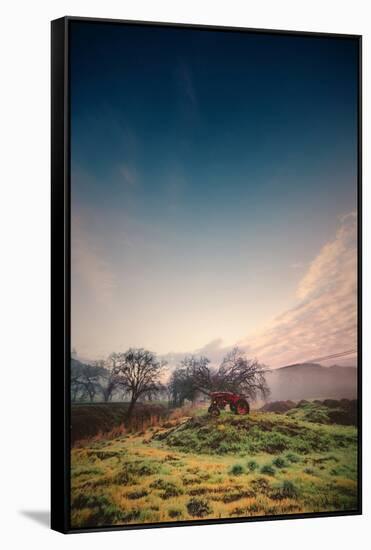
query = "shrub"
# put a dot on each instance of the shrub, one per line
(175, 513)
(198, 491)
(124, 477)
(287, 489)
(236, 470)
(130, 515)
(191, 480)
(291, 457)
(304, 446)
(260, 485)
(279, 462)
(94, 501)
(319, 416)
(158, 484)
(147, 470)
(252, 465)
(104, 455)
(170, 491)
(276, 442)
(86, 471)
(237, 495)
(268, 470)
(198, 508)
(137, 494)
(331, 403)
(278, 406)
(107, 515)
(102, 510)
(344, 417)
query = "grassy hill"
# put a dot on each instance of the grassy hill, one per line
(312, 381)
(328, 411)
(200, 467)
(257, 433)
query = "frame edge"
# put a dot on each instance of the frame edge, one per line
(59, 520)
(60, 284)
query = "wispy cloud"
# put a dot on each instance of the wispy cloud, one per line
(129, 174)
(214, 350)
(324, 321)
(186, 84)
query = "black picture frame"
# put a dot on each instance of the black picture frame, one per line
(61, 276)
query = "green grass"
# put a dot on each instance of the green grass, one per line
(329, 411)
(261, 464)
(258, 433)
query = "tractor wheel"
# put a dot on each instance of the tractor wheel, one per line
(214, 410)
(233, 408)
(242, 407)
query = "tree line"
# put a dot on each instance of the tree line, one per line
(137, 374)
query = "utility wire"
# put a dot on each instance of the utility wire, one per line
(333, 356)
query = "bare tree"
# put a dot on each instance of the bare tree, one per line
(84, 381)
(239, 374)
(77, 390)
(108, 382)
(197, 368)
(138, 373)
(181, 386)
(236, 374)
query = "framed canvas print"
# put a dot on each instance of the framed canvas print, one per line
(206, 274)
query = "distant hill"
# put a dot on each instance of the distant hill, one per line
(312, 381)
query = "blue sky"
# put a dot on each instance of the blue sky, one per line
(209, 169)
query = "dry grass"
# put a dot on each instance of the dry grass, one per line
(134, 478)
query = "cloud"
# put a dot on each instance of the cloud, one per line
(214, 350)
(128, 174)
(324, 320)
(89, 269)
(333, 266)
(186, 84)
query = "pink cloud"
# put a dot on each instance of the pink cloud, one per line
(324, 320)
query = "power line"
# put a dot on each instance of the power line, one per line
(333, 356)
(323, 358)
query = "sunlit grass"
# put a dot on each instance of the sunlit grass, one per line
(134, 478)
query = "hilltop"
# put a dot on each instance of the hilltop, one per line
(304, 429)
(312, 381)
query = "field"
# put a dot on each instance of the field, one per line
(192, 467)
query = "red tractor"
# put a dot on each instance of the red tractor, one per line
(237, 403)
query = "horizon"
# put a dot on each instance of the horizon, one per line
(76, 357)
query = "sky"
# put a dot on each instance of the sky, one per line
(213, 192)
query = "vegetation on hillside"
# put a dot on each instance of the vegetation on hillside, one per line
(258, 433)
(197, 467)
(92, 419)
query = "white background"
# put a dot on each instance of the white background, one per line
(24, 273)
